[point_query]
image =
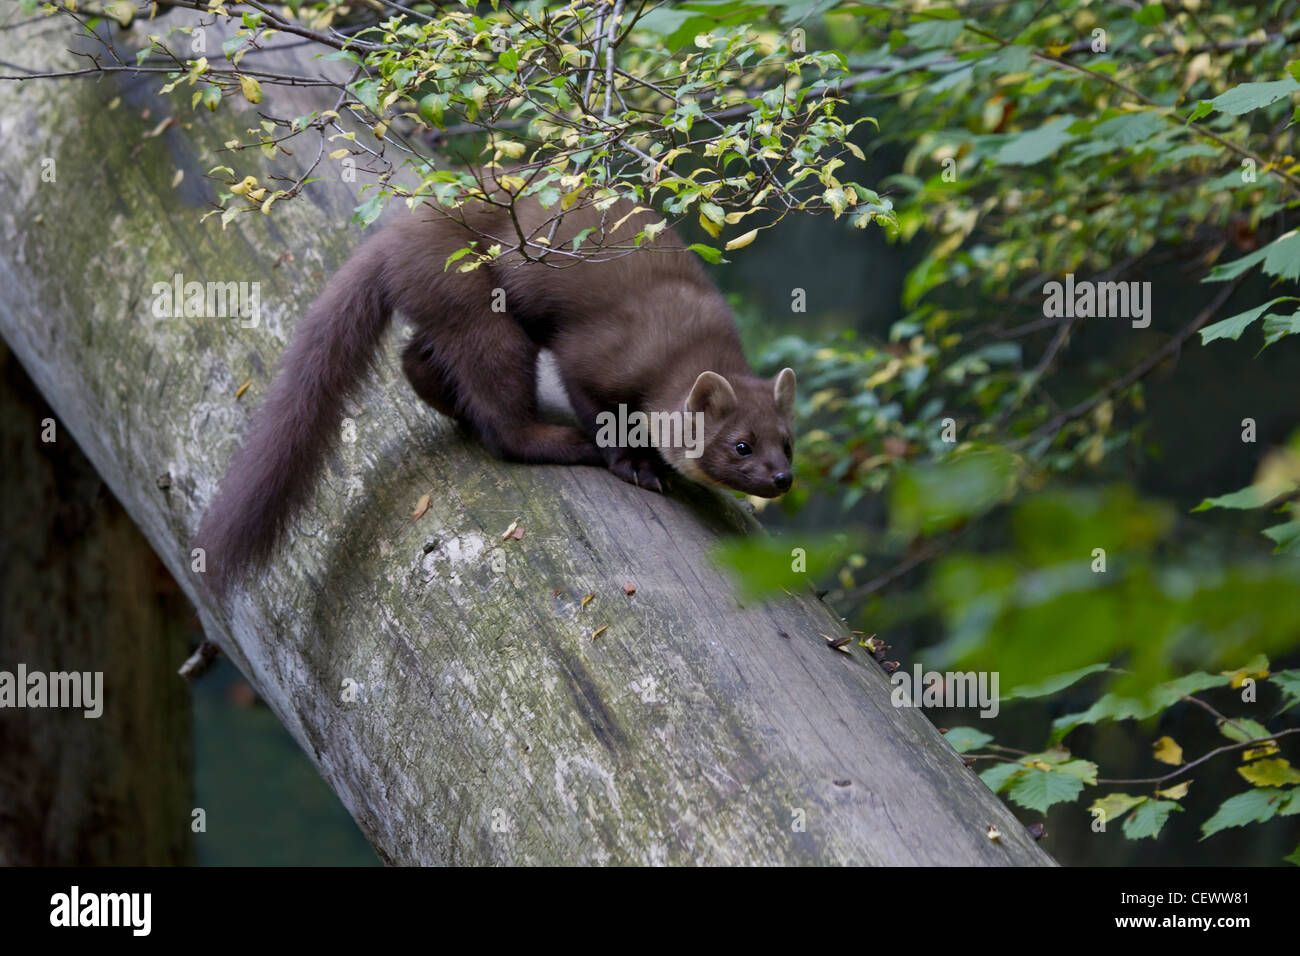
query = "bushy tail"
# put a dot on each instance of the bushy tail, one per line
(273, 475)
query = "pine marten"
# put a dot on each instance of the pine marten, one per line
(644, 329)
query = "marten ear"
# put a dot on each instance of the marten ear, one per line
(711, 394)
(783, 391)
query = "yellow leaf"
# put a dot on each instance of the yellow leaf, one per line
(242, 389)
(1175, 793)
(339, 153)
(244, 186)
(123, 11)
(1167, 751)
(1274, 772)
(1057, 49)
(599, 631)
(1266, 749)
(421, 507)
(892, 368)
(1257, 669)
(251, 89)
(635, 210)
(741, 241)
(511, 148)
(836, 199)
(712, 228)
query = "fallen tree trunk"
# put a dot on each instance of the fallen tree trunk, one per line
(446, 682)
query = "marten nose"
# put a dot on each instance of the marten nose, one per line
(783, 480)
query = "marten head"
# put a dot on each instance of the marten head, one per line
(748, 439)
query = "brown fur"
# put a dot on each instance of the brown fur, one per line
(638, 330)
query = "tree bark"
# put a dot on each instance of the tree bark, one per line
(447, 683)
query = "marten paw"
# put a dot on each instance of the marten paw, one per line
(636, 470)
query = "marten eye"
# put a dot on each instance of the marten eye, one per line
(743, 449)
(789, 451)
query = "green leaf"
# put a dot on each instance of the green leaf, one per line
(1053, 684)
(1191, 151)
(1150, 15)
(713, 212)
(933, 497)
(707, 253)
(1253, 806)
(1148, 819)
(367, 91)
(1233, 326)
(762, 566)
(929, 34)
(368, 211)
(1012, 59)
(1129, 129)
(966, 739)
(1040, 789)
(1252, 96)
(1241, 729)
(1115, 707)
(1084, 770)
(456, 256)
(581, 237)
(998, 776)
(1289, 683)
(1252, 496)
(1281, 257)
(1025, 149)
(1285, 536)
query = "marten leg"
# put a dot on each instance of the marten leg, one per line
(638, 466)
(482, 366)
(426, 378)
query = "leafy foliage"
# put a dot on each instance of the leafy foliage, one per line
(1054, 776)
(707, 117)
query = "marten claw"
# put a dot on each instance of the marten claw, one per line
(646, 478)
(636, 471)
